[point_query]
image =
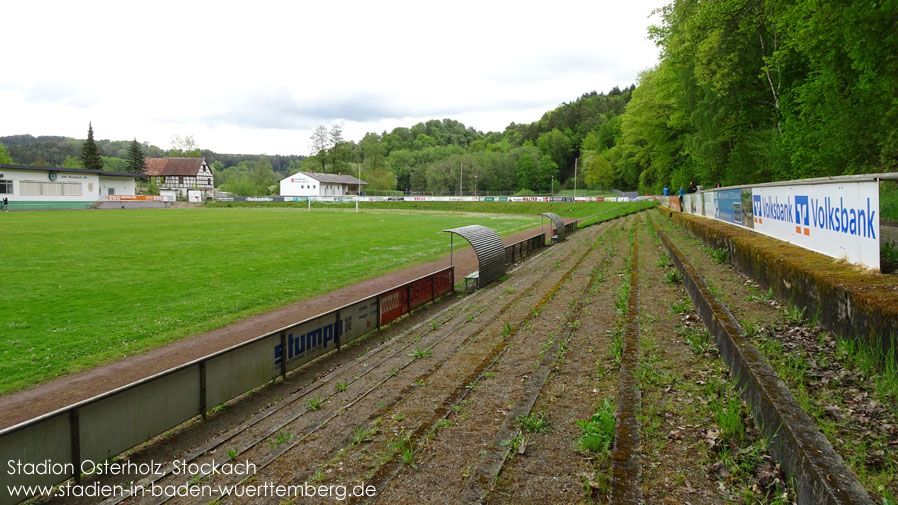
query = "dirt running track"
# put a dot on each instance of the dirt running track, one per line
(23, 405)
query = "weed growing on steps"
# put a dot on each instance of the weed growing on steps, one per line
(597, 433)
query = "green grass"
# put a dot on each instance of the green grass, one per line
(564, 209)
(83, 288)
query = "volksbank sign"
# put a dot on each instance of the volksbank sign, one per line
(840, 220)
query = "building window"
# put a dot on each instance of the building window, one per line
(111, 191)
(5, 187)
(181, 180)
(71, 189)
(51, 189)
(28, 188)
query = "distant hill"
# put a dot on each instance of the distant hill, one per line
(51, 151)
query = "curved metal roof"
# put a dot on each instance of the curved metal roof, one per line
(559, 224)
(489, 249)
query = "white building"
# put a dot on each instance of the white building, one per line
(28, 187)
(312, 184)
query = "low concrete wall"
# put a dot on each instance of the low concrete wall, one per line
(821, 476)
(131, 204)
(846, 299)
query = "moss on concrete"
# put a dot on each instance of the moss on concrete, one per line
(847, 299)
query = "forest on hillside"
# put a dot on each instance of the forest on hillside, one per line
(760, 90)
(746, 91)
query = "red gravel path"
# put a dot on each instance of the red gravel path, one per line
(22, 405)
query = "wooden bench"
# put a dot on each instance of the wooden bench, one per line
(472, 277)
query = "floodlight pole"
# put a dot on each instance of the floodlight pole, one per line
(358, 190)
(475, 185)
(461, 170)
(575, 177)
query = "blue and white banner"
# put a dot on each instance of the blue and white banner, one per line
(839, 220)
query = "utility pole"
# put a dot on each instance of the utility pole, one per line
(475, 185)
(575, 176)
(552, 186)
(358, 191)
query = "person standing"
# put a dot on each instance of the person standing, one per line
(692, 188)
(6, 204)
(666, 190)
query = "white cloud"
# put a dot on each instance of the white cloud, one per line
(257, 77)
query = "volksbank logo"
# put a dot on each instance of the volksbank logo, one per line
(758, 208)
(801, 215)
(827, 213)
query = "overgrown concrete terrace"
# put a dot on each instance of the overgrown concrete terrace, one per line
(846, 299)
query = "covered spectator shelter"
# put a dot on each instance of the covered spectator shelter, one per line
(489, 249)
(559, 224)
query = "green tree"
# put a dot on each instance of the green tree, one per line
(598, 173)
(90, 154)
(4, 155)
(557, 146)
(72, 162)
(136, 161)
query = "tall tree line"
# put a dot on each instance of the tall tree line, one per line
(761, 90)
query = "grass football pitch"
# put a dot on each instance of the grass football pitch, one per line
(80, 288)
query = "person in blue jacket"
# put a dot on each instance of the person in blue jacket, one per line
(666, 190)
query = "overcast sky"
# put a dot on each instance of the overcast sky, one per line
(258, 76)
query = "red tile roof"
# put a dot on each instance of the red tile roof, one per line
(174, 166)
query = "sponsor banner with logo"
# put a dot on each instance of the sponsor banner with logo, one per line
(729, 206)
(420, 292)
(309, 340)
(442, 283)
(393, 304)
(674, 203)
(358, 319)
(839, 220)
(709, 201)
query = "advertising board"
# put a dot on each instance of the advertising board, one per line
(839, 220)
(442, 283)
(729, 206)
(309, 340)
(420, 292)
(393, 304)
(674, 203)
(709, 203)
(357, 319)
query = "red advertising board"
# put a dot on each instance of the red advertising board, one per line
(675, 203)
(442, 283)
(420, 292)
(393, 304)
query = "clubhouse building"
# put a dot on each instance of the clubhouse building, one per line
(28, 187)
(313, 184)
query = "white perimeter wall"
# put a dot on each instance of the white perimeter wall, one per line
(120, 185)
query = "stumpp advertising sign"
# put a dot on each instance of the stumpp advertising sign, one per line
(840, 220)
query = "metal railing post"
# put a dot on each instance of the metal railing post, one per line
(203, 389)
(75, 433)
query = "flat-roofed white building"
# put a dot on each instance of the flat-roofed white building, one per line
(313, 184)
(29, 187)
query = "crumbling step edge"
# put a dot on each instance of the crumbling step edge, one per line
(820, 474)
